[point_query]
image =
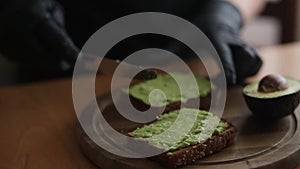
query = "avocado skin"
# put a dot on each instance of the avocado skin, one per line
(273, 108)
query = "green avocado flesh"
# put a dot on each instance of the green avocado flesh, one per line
(252, 90)
(171, 133)
(169, 87)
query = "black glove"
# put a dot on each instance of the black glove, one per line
(221, 22)
(32, 32)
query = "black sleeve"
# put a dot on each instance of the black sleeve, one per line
(33, 32)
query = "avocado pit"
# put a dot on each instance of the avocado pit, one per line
(272, 83)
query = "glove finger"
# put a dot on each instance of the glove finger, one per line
(247, 61)
(55, 40)
(227, 62)
(57, 13)
(224, 53)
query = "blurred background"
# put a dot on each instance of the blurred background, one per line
(278, 23)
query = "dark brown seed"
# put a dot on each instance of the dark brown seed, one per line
(272, 83)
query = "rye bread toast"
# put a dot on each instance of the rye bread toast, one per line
(188, 155)
(204, 104)
(204, 101)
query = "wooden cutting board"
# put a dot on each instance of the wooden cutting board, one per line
(259, 143)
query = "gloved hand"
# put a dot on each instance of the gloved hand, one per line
(32, 32)
(221, 22)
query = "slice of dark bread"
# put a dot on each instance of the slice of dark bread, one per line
(204, 102)
(189, 155)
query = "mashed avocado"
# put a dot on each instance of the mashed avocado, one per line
(170, 88)
(203, 127)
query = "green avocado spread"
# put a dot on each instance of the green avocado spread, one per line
(164, 90)
(181, 128)
(252, 90)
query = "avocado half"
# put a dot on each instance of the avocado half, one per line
(274, 104)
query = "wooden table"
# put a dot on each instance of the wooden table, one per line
(37, 121)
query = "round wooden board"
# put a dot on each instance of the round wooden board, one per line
(259, 143)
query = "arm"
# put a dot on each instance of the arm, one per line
(249, 8)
